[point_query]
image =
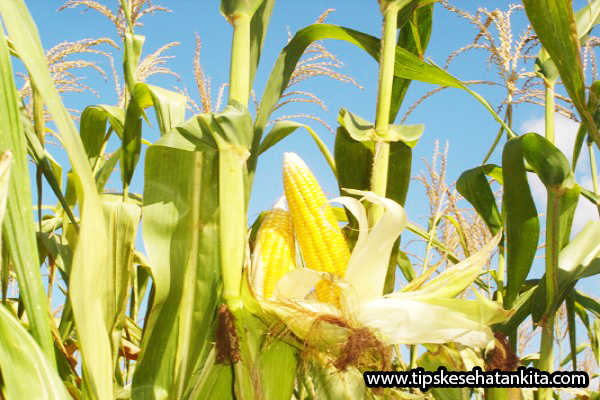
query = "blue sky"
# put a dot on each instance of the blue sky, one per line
(450, 116)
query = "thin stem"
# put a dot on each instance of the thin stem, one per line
(232, 220)
(382, 115)
(546, 361)
(239, 78)
(126, 6)
(413, 356)
(508, 120)
(550, 106)
(386, 71)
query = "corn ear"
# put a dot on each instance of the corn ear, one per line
(319, 236)
(275, 248)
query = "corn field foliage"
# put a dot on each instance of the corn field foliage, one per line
(300, 302)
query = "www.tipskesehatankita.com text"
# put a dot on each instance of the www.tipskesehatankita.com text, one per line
(522, 378)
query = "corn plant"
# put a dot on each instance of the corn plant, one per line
(291, 305)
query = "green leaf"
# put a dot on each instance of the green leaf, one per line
(474, 187)
(131, 144)
(277, 364)
(180, 230)
(229, 8)
(354, 161)
(358, 128)
(26, 371)
(554, 23)
(191, 135)
(449, 358)
(89, 259)
(398, 4)
(521, 307)
(407, 66)
(123, 220)
(587, 17)
(587, 302)
(50, 168)
(233, 125)
(494, 172)
(522, 226)
(133, 51)
(258, 31)
(570, 303)
(331, 383)
(594, 108)
(92, 129)
(170, 113)
(282, 129)
(278, 132)
(106, 170)
(406, 266)
(578, 260)
(18, 227)
(362, 130)
(212, 381)
(413, 37)
(5, 163)
(168, 105)
(399, 170)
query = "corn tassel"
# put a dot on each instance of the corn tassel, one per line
(276, 248)
(319, 236)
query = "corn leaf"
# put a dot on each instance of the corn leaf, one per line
(277, 365)
(123, 220)
(229, 8)
(279, 131)
(362, 130)
(353, 160)
(522, 309)
(26, 371)
(587, 302)
(399, 170)
(50, 168)
(92, 129)
(522, 225)
(5, 163)
(168, 105)
(131, 144)
(474, 187)
(554, 23)
(86, 284)
(413, 37)
(106, 170)
(180, 228)
(449, 358)
(282, 129)
(133, 51)
(407, 66)
(330, 383)
(258, 31)
(578, 260)
(18, 225)
(212, 381)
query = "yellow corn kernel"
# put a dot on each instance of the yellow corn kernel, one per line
(319, 236)
(276, 248)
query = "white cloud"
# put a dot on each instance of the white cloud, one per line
(566, 132)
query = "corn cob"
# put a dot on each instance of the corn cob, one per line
(319, 236)
(276, 248)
